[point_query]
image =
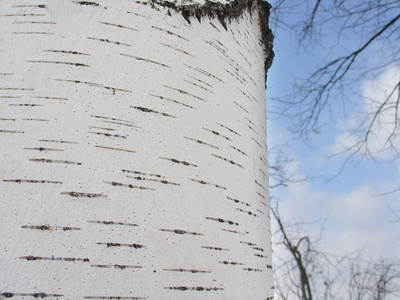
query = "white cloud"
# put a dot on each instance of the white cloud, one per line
(356, 220)
(357, 209)
(378, 95)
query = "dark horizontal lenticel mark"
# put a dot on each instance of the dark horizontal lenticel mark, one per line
(222, 221)
(148, 110)
(111, 223)
(178, 231)
(30, 257)
(122, 267)
(194, 288)
(55, 161)
(58, 62)
(185, 163)
(113, 183)
(48, 227)
(79, 194)
(136, 246)
(230, 263)
(187, 270)
(31, 181)
(35, 295)
(108, 41)
(145, 59)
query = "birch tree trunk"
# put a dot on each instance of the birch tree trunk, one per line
(133, 150)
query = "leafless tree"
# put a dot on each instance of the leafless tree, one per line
(361, 40)
(304, 270)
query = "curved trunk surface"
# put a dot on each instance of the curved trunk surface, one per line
(133, 145)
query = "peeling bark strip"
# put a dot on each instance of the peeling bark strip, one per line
(35, 295)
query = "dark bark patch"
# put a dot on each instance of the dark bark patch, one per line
(225, 13)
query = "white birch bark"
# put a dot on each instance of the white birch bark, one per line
(133, 151)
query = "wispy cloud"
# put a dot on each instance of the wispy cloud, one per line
(376, 120)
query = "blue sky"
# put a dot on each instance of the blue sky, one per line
(356, 217)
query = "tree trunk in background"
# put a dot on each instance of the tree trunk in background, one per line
(133, 146)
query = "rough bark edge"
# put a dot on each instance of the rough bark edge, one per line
(227, 12)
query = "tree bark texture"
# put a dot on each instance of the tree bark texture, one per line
(133, 150)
